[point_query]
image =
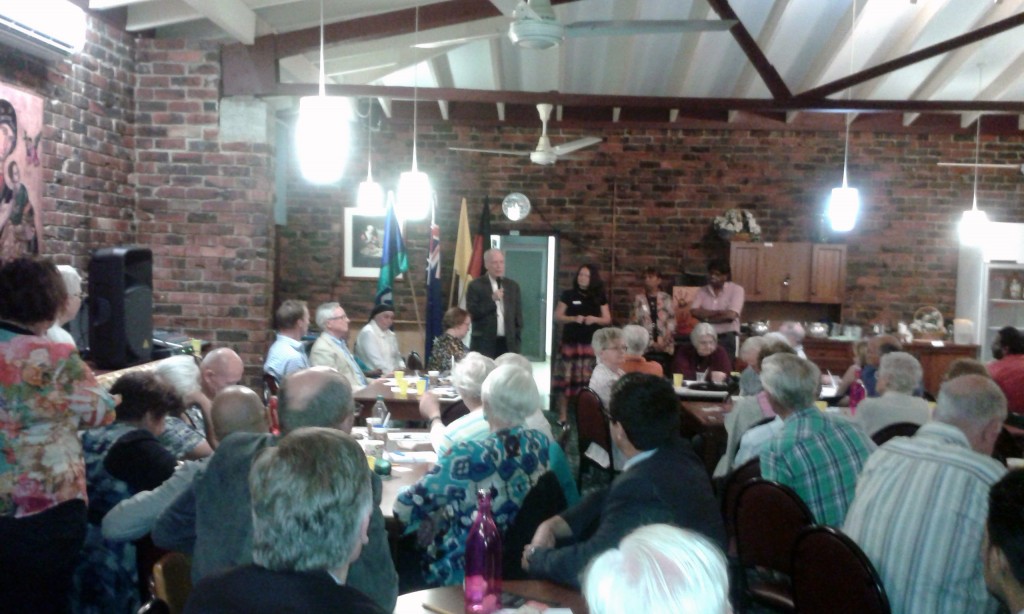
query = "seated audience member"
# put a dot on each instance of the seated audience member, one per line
(659, 569)
(220, 368)
(212, 519)
(703, 356)
(236, 409)
(184, 434)
(331, 347)
(921, 503)
(311, 508)
(610, 351)
(1008, 370)
(663, 481)
(445, 423)
(965, 366)
(752, 423)
(898, 376)
(878, 346)
(448, 347)
(794, 334)
(48, 395)
(439, 507)
(377, 344)
(815, 454)
(750, 379)
(637, 339)
(536, 420)
(121, 459)
(1003, 544)
(73, 284)
(853, 372)
(287, 354)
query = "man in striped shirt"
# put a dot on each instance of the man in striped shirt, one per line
(921, 503)
(815, 454)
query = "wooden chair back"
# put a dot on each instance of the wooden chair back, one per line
(832, 575)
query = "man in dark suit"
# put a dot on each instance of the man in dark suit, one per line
(311, 505)
(663, 481)
(495, 305)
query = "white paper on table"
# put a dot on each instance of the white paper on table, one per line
(598, 454)
(409, 456)
(828, 391)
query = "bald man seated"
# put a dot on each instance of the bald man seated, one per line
(236, 409)
(212, 519)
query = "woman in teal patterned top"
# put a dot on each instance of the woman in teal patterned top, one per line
(439, 508)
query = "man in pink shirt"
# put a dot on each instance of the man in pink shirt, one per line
(1008, 370)
(720, 304)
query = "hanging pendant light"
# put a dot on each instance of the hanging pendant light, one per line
(844, 204)
(415, 193)
(323, 130)
(370, 194)
(974, 221)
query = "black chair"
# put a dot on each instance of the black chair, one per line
(1007, 446)
(544, 500)
(731, 486)
(769, 517)
(414, 362)
(592, 426)
(898, 429)
(831, 575)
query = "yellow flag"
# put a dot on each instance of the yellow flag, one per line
(463, 252)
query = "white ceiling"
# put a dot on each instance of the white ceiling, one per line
(808, 42)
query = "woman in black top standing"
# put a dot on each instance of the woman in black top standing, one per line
(581, 310)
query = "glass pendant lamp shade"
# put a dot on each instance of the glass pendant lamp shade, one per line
(322, 137)
(370, 195)
(972, 226)
(843, 208)
(414, 195)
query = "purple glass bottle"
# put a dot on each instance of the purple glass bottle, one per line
(483, 560)
(857, 394)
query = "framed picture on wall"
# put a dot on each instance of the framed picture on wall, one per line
(21, 191)
(364, 242)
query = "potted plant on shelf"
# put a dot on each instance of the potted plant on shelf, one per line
(737, 225)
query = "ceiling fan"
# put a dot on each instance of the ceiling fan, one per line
(1019, 167)
(544, 154)
(535, 26)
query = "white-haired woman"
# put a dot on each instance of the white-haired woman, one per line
(610, 349)
(508, 462)
(73, 284)
(448, 423)
(185, 434)
(899, 375)
(703, 355)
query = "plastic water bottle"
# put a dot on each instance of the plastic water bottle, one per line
(380, 415)
(483, 560)
(857, 394)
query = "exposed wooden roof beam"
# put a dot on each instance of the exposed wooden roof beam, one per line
(912, 58)
(764, 41)
(771, 77)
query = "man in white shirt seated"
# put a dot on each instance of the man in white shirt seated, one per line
(287, 354)
(377, 345)
(899, 375)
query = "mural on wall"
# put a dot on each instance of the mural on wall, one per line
(21, 175)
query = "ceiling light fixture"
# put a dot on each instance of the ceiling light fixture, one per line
(415, 194)
(974, 221)
(516, 206)
(370, 194)
(323, 130)
(844, 204)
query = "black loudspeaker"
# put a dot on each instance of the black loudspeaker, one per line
(120, 306)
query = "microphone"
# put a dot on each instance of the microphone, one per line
(498, 279)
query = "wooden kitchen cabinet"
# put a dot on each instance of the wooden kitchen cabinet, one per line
(790, 272)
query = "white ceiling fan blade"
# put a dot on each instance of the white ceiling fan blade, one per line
(972, 165)
(666, 26)
(578, 144)
(499, 152)
(456, 41)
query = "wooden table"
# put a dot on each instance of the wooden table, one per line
(448, 599)
(707, 419)
(402, 407)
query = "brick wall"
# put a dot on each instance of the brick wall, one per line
(647, 197)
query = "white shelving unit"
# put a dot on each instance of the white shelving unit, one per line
(983, 278)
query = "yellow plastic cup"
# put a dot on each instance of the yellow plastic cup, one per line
(421, 386)
(821, 405)
(403, 386)
(399, 376)
(677, 380)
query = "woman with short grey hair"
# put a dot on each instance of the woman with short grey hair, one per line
(637, 339)
(73, 284)
(610, 350)
(899, 375)
(447, 423)
(507, 462)
(702, 357)
(185, 434)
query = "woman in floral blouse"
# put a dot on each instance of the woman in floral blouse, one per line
(448, 348)
(47, 393)
(439, 508)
